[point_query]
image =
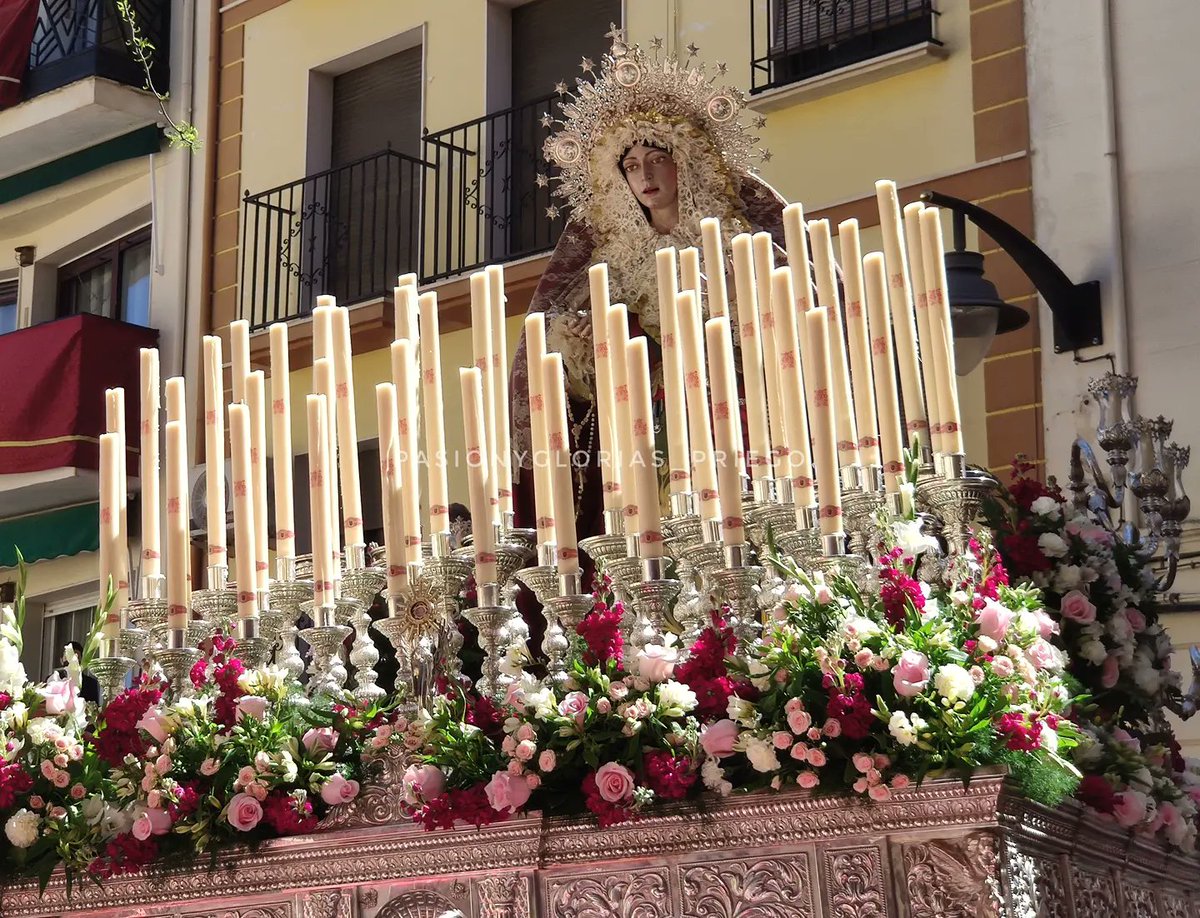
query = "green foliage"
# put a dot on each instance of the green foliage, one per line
(178, 133)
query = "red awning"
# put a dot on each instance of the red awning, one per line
(52, 382)
(18, 19)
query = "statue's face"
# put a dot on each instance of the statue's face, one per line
(651, 175)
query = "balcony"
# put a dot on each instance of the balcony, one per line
(53, 377)
(474, 199)
(83, 86)
(799, 42)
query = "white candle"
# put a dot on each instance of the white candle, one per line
(792, 389)
(407, 280)
(704, 469)
(392, 491)
(256, 401)
(610, 466)
(714, 266)
(554, 389)
(941, 330)
(920, 295)
(323, 384)
(347, 429)
(281, 442)
(796, 240)
(482, 531)
(890, 433)
(748, 325)
(405, 300)
(618, 355)
(820, 414)
(110, 461)
(179, 555)
(764, 266)
(503, 444)
(860, 344)
(724, 404)
(827, 296)
(115, 407)
(404, 377)
(433, 410)
(245, 556)
(689, 270)
(214, 450)
(319, 479)
(900, 300)
(644, 465)
(481, 343)
(176, 399)
(672, 364)
(543, 498)
(150, 473)
(239, 355)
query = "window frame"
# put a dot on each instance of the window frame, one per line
(107, 254)
(70, 605)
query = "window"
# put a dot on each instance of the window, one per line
(551, 37)
(113, 281)
(8, 306)
(60, 627)
(805, 38)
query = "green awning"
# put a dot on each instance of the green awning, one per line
(53, 534)
(141, 142)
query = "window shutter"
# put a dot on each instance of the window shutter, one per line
(550, 37)
(376, 105)
(800, 25)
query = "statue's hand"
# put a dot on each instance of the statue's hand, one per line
(576, 325)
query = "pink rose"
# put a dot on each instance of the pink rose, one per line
(547, 761)
(78, 792)
(718, 738)
(832, 728)
(1042, 655)
(532, 781)
(423, 783)
(526, 732)
(254, 706)
(977, 674)
(800, 752)
(154, 723)
(910, 675)
(338, 790)
(515, 768)
(47, 769)
(808, 779)
(993, 620)
(526, 749)
(1002, 666)
(60, 697)
(603, 706)
(152, 821)
(657, 662)
(507, 792)
(243, 812)
(863, 762)
(1047, 627)
(615, 782)
(575, 703)
(863, 658)
(1129, 808)
(1137, 621)
(799, 720)
(816, 758)
(781, 739)
(1075, 606)
(879, 792)
(36, 802)
(899, 782)
(246, 775)
(318, 740)
(1110, 672)
(61, 779)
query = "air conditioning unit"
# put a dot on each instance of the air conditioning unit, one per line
(198, 499)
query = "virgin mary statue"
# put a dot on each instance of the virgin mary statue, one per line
(644, 150)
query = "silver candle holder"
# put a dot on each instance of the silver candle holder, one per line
(542, 581)
(861, 506)
(443, 576)
(327, 675)
(250, 646)
(738, 580)
(218, 604)
(177, 659)
(289, 593)
(362, 584)
(110, 668)
(489, 618)
(653, 597)
(571, 606)
(803, 544)
(957, 496)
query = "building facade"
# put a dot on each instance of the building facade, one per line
(406, 137)
(100, 239)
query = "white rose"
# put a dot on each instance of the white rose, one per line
(675, 699)
(761, 754)
(1119, 628)
(1047, 507)
(1052, 545)
(44, 730)
(1093, 652)
(22, 828)
(859, 626)
(1068, 577)
(954, 683)
(902, 729)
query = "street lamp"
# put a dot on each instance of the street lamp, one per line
(976, 310)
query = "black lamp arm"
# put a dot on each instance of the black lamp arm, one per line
(1076, 307)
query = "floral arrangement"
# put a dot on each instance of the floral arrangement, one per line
(849, 687)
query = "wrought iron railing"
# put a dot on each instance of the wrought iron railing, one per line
(489, 200)
(348, 231)
(75, 39)
(793, 40)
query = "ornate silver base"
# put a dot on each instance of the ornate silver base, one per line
(543, 583)
(177, 664)
(803, 545)
(570, 610)
(217, 607)
(739, 586)
(605, 549)
(363, 584)
(326, 676)
(653, 600)
(861, 508)
(959, 501)
(110, 672)
(490, 622)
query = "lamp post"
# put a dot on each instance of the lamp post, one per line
(978, 313)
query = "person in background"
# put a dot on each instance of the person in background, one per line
(90, 685)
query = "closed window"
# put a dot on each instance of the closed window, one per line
(113, 281)
(8, 306)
